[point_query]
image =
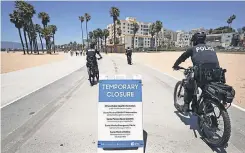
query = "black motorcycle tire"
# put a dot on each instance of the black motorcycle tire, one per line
(227, 127)
(91, 76)
(176, 105)
(97, 74)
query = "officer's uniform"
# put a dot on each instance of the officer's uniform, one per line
(91, 56)
(129, 54)
(201, 55)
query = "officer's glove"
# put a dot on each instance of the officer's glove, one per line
(176, 67)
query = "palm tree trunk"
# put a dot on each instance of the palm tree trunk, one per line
(105, 46)
(41, 41)
(87, 32)
(101, 43)
(34, 39)
(21, 41)
(34, 45)
(133, 41)
(82, 33)
(114, 43)
(53, 43)
(98, 43)
(37, 45)
(151, 41)
(28, 34)
(156, 41)
(26, 42)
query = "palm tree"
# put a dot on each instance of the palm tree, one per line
(70, 45)
(210, 31)
(152, 32)
(158, 27)
(81, 18)
(25, 29)
(135, 29)
(229, 21)
(100, 35)
(47, 34)
(233, 17)
(45, 18)
(38, 30)
(87, 19)
(114, 13)
(119, 32)
(74, 45)
(106, 35)
(28, 11)
(53, 29)
(91, 35)
(243, 29)
(95, 36)
(33, 36)
(16, 19)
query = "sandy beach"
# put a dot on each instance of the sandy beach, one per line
(17, 61)
(163, 61)
(234, 63)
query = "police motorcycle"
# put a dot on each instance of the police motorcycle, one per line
(210, 105)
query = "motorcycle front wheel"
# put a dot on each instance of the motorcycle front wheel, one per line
(179, 96)
(209, 124)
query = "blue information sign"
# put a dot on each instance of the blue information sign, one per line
(120, 91)
(120, 115)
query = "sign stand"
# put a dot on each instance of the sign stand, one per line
(120, 115)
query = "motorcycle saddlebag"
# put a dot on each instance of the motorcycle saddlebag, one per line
(220, 91)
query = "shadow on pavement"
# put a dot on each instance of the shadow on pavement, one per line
(191, 120)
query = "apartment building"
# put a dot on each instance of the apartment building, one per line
(201, 29)
(142, 37)
(223, 40)
(183, 39)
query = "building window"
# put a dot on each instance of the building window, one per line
(123, 23)
(123, 27)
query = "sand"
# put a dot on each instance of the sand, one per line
(234, 63)
(17, 61)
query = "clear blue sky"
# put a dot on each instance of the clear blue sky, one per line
(174, 15)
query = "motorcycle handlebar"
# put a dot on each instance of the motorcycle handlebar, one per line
(182, 68)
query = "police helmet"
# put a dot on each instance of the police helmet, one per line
(92, 45)
(198, 37)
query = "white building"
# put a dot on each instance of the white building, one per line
(183, 39)
(142, 37)
(223, 40)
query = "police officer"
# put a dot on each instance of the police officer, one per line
(201, 55)
(129, 55)
(91, 55)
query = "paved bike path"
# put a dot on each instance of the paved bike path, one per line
(18, 84)
(73, 127)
